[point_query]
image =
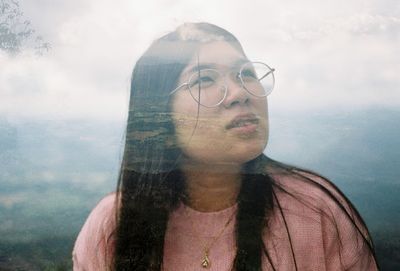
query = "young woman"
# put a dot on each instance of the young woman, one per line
(196, 191)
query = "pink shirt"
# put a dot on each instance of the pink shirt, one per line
(323, 238)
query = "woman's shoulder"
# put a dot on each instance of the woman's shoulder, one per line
(313, 206)
(105, 205)
(308, 196)
(103, 214)
(95, 241)
(308, 187)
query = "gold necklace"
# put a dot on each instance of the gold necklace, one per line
(206, 262)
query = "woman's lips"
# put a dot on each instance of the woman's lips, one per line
(245, 129)
(244, 124)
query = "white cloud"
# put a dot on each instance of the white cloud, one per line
(328, 54)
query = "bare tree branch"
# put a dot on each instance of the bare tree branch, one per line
(15, 31)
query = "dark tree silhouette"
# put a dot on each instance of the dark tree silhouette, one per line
(16, 31)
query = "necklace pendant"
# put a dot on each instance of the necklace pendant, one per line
(206, 262)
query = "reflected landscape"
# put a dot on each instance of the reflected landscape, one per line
(71, 165)
(68, 120)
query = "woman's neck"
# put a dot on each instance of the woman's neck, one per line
(208, 189)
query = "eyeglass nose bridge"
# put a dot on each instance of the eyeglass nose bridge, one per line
(240, 82)
(237, 79)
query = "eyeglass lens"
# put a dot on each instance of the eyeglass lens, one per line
(208, 87)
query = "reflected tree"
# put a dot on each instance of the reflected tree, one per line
(16, 32)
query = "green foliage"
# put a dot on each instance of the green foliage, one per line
(387, 244)
(47, 253)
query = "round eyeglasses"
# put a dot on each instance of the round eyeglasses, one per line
(208, 86)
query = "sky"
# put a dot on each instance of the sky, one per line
(328, 55)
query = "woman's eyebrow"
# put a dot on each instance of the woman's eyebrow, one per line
(202, 66)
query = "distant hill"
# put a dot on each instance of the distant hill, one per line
(52, 173)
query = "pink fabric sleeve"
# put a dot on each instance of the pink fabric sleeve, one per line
(94, 245)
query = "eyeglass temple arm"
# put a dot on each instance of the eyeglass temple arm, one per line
(271, 71)
(179, 87)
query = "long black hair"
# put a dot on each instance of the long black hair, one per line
(151, 185)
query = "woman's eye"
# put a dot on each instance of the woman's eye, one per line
(249, 74)
(206, 79)
(203, 81)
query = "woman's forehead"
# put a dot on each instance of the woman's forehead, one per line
(218, 54)
(219, 51)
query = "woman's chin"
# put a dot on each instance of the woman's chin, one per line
(229, 156)
(231, 162)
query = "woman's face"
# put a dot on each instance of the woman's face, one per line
(232, 133)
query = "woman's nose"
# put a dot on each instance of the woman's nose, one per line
(236, 95)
